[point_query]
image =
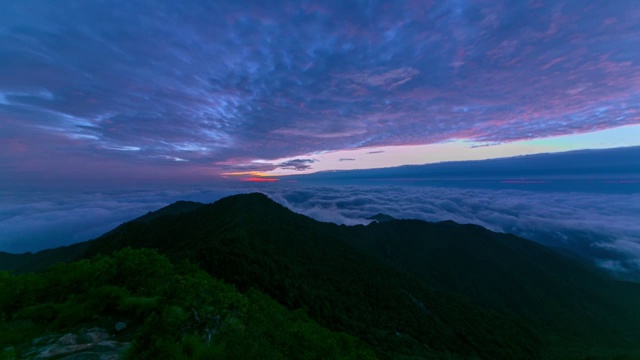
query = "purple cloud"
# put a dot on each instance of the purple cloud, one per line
(297, 164)
(190, 86)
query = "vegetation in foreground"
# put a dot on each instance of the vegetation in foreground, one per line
(172, 312)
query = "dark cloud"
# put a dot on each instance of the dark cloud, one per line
(346, 159)
(190, 84)
(375, 152)
(297, 164)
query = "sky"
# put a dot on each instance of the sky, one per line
(118, 93)
(110, 109)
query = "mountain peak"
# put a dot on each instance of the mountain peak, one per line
(380, 217)
(251, 204)
(254, 196)
(251, 200)
(448, 223)
(177, 207)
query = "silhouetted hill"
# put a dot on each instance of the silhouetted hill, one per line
(253, 242)
(510, 274)
(41, 260)
(621, 161)
(578, 170)
(406, 287)
(177, 207)
(381, 218)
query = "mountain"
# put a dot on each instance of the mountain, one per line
(253, 242)
(615, 170)
(614, 162)
(176, 208)
(507, 273)
(41, 260)
(408, 288)
(381, 217)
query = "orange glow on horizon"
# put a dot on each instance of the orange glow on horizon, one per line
(260, 179)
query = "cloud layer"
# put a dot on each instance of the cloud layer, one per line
(35, 221)
(131, 89)
(601, 227)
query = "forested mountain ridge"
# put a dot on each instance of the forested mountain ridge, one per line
(507, 273)
(253, 242)
(406, 287)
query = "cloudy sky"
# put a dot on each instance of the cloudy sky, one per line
(110, 109)
(139, 92)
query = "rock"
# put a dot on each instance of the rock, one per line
(94, 335)
(87, 355)
(68, 339)
(97, 330)
(120, 326)
(90, 355)
(92, 344)
(85, 339)
(108, 346)
(44, 340)
(55, 350)
(106, 350)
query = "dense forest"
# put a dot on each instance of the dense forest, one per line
(172, 311)
(397, 289)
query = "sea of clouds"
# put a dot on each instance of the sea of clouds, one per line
(602, 227)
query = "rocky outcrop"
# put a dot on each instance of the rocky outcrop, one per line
(92, 344)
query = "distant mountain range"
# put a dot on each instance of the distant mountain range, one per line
(381, 218)
(408, 288)
(622, 161)
(615, 170)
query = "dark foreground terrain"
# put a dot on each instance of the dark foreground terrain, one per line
(245, 277)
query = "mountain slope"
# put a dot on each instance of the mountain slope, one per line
(41, 260)
(401, 285)
(503, 272)
(176, 208)
(250, 241)
(165, 311)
